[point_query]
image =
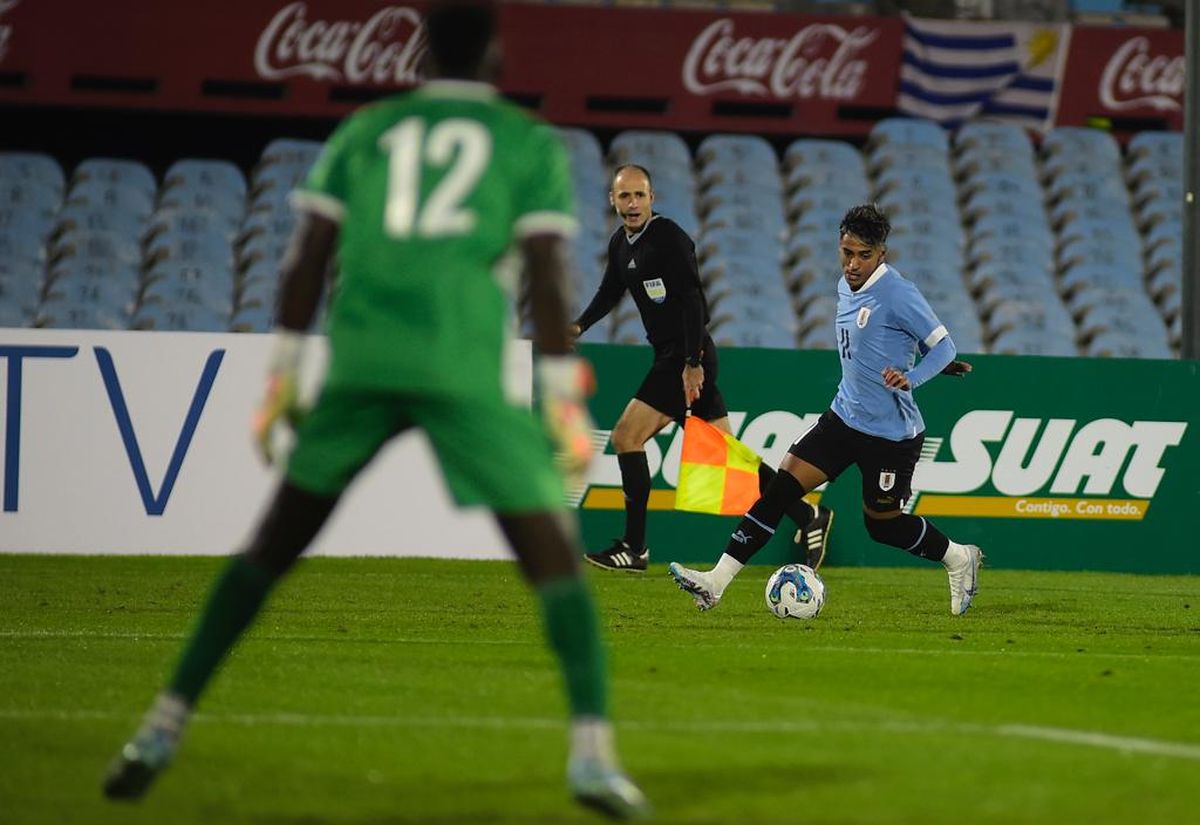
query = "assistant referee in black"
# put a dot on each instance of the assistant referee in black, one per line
(655, 260)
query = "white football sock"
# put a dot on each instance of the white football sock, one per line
(592, 739)
(727, 567)
(956, 555)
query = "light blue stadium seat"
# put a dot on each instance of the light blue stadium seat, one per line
(749, 334)
(1165, 281)
(1000, 252)
(945, 229)
(992, 136)
(84, 218)
(1164, 256)
(1008, 183)
(174, 246)
(1154, 168)
(79, 303)
(1081, 141)
(1074, 208)
(650, 149)
(820, 337)
(1035, 313)
(826, 178)
(1000, 205)
(28, 222)
(828, 201)
(203, 284)
(291, 152)
(1160, 210)
(908, 132)
(742, 198)
(1056, 166)
(21, 195)
(34, 168)
(739, 150)
(208, 175)
(983, 161)
(822, 224)
(912, 158)
(119, 197)
(818, 311)
(1020, 341)
(1164, 145)
(1150, 190)
(20, 290)
(1030, 230)
(1118, 230)
(96, 245)
(1079, 253)
(909, 252)
(1087, 187)
(582, 146)
(230, 205)
(116, 173)
(1101, 302)
(738, 244)
(253, 319)
(19, 245)
(821, 153)
(179, 318)
(271, 185)
(1115, 345)
(728, 216)
(276, 224)
(1109, 277)
(760, 178)
(917, 184)
(967, 333)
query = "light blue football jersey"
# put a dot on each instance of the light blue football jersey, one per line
(881, 325)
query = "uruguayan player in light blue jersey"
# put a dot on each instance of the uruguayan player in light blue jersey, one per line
(883, 321)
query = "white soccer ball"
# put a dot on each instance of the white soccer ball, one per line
(795, 591)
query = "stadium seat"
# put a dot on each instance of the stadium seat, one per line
(742, 150)
(1018, 341)
(820, 153)
(40, 200)
(154, 315)
(991, 136)
(78, 217)
(33, 168)
(66, 314)
(652, 149)
(1079, 141)
(97, 193)
(290, 152)
(906, 131)
(200, 283)
(114, 173)
(99, 246)
(209, 175)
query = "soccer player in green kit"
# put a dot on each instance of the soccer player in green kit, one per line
(423, 199)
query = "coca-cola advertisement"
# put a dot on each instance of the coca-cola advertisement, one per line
(1131, 77)
(658, 68)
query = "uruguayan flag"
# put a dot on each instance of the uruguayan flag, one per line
(954, 71)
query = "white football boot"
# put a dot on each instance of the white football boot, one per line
(962, 563)
(697, 583)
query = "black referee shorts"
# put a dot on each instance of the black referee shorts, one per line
(662, 387)
(887, 466)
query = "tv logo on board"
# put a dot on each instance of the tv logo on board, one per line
(17, 358)
(385, 49)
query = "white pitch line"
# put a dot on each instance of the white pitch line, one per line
(537, 640)
(1064, 736)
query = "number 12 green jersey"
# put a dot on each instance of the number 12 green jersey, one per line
(433, 190)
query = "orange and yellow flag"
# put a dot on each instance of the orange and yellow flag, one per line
(717, 473)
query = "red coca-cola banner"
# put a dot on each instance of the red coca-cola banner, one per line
(1130, 76)
(683, 70)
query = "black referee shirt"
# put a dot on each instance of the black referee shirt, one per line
(658, 267)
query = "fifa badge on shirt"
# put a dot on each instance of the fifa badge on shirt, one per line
(887, 480)
(861, 320)
(656, 290)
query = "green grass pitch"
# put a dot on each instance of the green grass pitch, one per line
(419, 691)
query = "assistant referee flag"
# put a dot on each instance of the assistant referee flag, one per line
(717, 473)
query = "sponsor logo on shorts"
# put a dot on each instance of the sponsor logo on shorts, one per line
(656, 290)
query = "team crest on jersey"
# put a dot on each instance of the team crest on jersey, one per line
(887, 480)
(656, 290)
(863, 315)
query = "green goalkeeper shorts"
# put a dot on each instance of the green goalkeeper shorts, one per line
(491, 453)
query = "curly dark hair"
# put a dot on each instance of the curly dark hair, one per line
(867, 223)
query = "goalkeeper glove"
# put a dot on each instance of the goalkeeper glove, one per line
(279, 407)
(565, 382)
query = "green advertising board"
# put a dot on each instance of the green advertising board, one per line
(1046, 463)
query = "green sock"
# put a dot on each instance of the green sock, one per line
(233, 603)
(574, 632)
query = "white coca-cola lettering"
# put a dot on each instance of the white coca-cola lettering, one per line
(1133, 79)
(800, 66)
(385, 49)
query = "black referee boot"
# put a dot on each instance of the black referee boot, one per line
(620, 556)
